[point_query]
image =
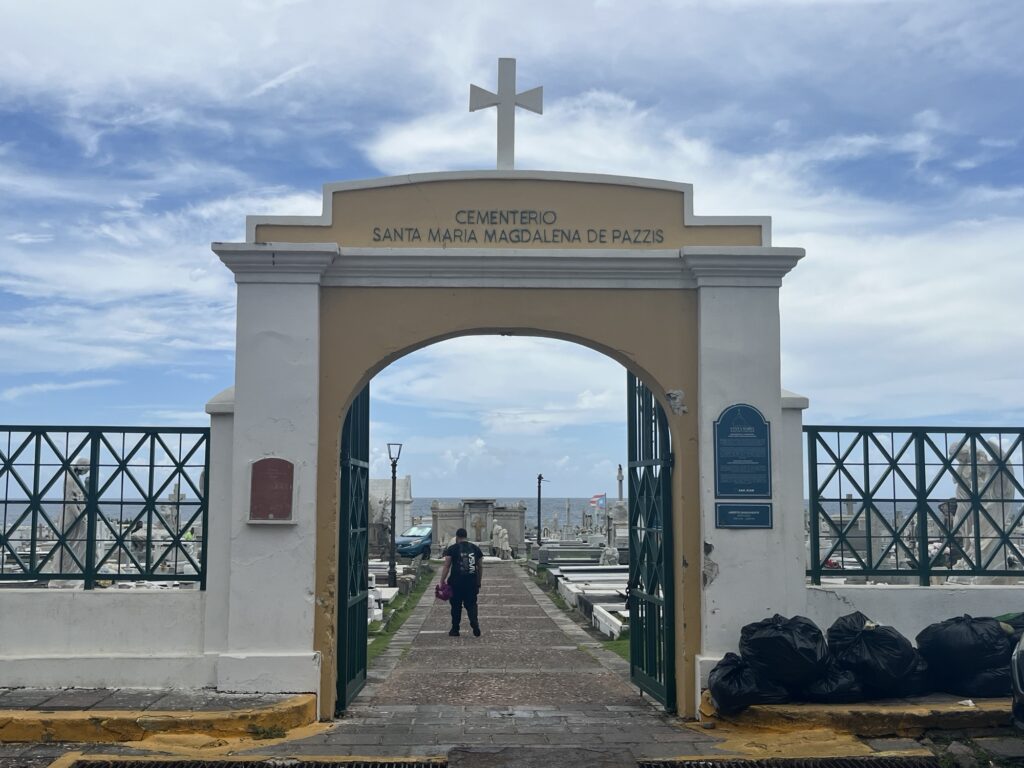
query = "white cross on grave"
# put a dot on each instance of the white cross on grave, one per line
(506, 100)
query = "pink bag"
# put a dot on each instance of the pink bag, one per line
(443, 591)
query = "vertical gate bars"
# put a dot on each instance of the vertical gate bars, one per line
(353, 552)
(957, 493)
(650, 591)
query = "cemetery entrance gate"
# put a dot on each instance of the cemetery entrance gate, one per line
(353, 549)
(649, 594)
(396, 264)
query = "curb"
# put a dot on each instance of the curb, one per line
(72, 759)
(900, 718)
(111, 726)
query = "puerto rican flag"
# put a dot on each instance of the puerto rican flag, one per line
(599, 500)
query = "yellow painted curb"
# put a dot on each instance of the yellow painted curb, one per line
(108, 726)
(72, 758)
(880, 718)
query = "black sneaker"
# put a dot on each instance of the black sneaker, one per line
(476, 631)
(453, 632)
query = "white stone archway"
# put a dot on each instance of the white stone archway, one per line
(699, 315)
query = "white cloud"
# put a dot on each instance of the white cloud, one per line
(276, 82)
(907, 326)
(30, 238)
(509, 385)
(223, 52)
(135, 287)
(45, 387)
(177, 416)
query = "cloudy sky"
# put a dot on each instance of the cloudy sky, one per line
(884, 137)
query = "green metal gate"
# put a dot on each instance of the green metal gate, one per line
(650, 590)
(353, 594)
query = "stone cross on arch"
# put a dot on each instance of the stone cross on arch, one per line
(506, 100)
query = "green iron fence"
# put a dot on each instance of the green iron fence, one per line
(94, 505)
(915, 505)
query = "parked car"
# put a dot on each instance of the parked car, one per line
(415, 541)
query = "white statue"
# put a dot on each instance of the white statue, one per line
(496, 540)
(997, 492)
(609, 555)
(73, 525)
(504, 549)
(139, 540)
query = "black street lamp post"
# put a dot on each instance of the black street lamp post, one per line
(394, 451)
(540, 479)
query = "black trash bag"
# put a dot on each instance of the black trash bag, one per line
(789, 651)
(991, 683)
(956, 647)
(879, 655)
(734, 686)
(838, 686)
(917, 682)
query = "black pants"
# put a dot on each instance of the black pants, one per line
(464, 596)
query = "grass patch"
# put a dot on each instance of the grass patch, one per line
(401, 608)
(552, 594)
(557, 600)
(260, 732)
(620, 646)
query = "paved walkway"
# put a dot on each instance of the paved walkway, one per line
(534, 679)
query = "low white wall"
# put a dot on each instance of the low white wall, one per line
(910, 608)
(907, 608)
(102, 638)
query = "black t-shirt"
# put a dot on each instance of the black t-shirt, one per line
(466, 561)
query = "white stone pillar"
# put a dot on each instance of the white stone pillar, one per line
(747, 573)
(271, 591)
(217, 535)
(794, 562)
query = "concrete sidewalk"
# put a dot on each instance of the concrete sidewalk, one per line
(116, 715)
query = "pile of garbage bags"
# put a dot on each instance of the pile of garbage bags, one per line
(789, 659)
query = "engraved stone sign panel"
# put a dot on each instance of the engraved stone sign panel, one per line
(507, 213)
(270, 499)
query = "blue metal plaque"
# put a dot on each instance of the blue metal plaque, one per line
(743, 515)
(743, 454)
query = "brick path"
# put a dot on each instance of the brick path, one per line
(533, 680)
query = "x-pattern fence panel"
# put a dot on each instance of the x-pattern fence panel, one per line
(924, 505)
(89, 505)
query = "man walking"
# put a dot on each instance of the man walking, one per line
(465, 562)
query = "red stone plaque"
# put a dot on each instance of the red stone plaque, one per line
(270, 497)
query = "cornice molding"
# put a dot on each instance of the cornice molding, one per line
(329, 265)
(277, 262)
(740, 266)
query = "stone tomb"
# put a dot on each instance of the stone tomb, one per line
(478, 517)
